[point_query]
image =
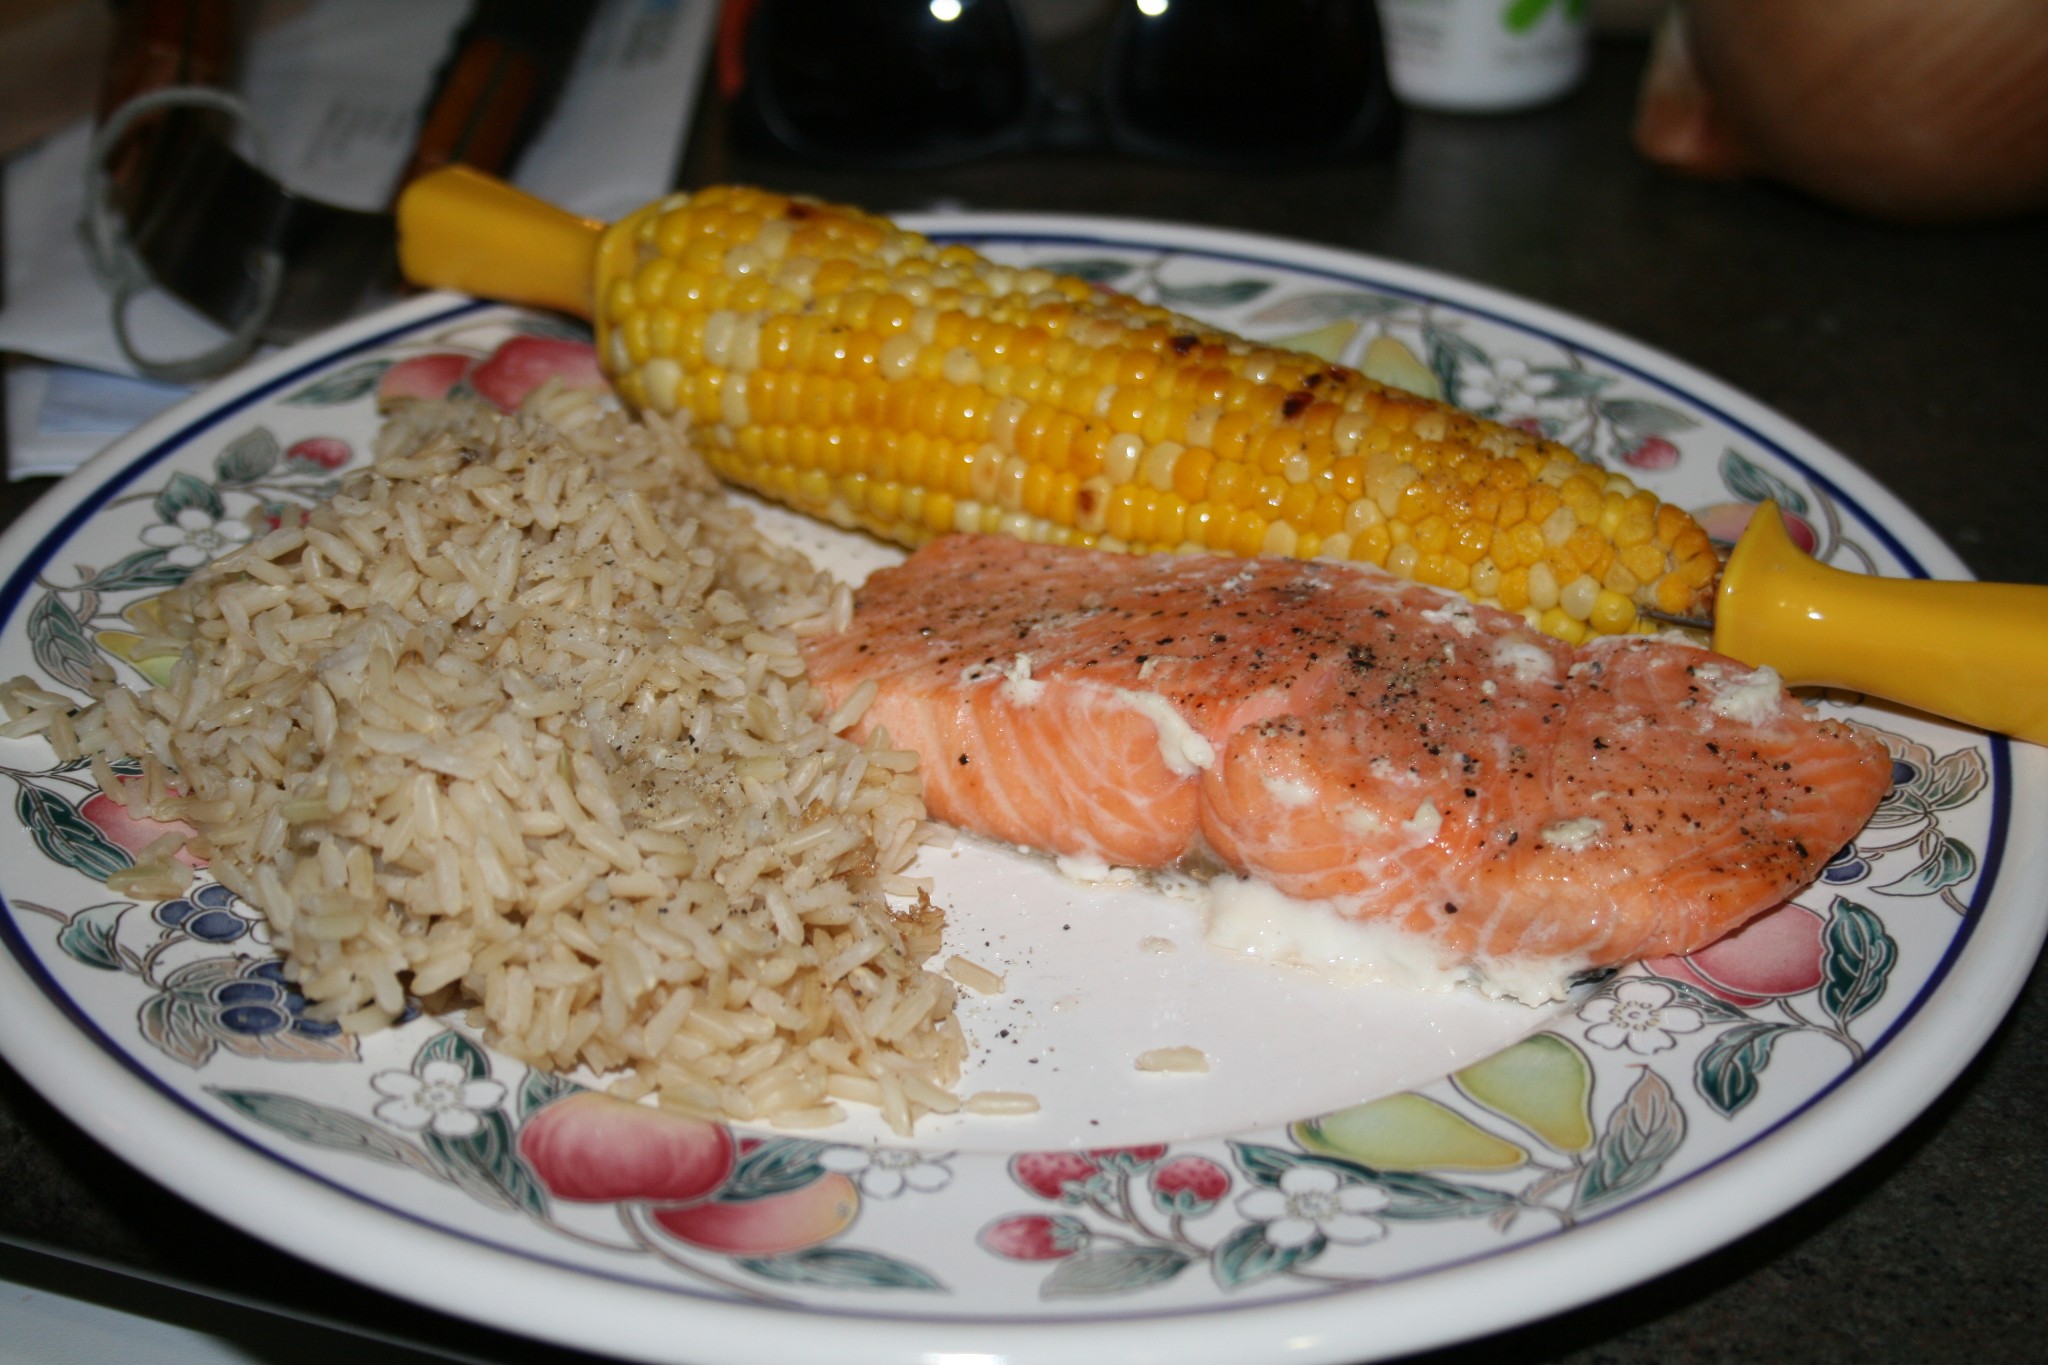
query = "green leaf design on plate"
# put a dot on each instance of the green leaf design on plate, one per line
(1642, 1133)
(1449, 353)
(1246, 1256)
(1945, 783)
(1567, 382)
(183, 492)
(1323, 307)
(247, 458)
(840, 1268)
(345, 385)
(1265, 1165)
(550, 325)
(1112, 1270)
(1751, 482)
(143, 569)
(1418, 1198)
(1415, 1197)
(1954, 780)
(320, 1125)
(1522, 15)
(1094, 269)
(289, 1045)
(1859, 956)
(1714, 1009)
(1730, 1069)
(1641, 417)
(58, 642)
(67, 837)
(450, 1046)
(1945, 861)
(777, 1166)
(1220, 294)
(486, 1165)
(541, 1089)
(175, 1025)
(88, 936)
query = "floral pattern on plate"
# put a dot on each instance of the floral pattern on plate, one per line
(1650, 1079)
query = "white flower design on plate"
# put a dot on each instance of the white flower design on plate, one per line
(194, 537)
(1500, 386)
(885, 1172)
(1639, 1016)
(441, 1096)
(1314, 1201)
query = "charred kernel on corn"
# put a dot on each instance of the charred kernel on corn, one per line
(873, 378)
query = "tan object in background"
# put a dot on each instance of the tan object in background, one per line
(1895, 108)
(51, 52)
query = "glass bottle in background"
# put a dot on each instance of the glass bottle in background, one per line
(1484, 56)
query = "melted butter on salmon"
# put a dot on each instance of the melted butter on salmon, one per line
(1394, 755)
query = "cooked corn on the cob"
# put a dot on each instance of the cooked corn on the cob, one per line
(864, 374)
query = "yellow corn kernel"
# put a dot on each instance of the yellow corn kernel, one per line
(1671, 523)
(1485, 581)
(1557, 621)
(1372, 545)
(1612, 614)
(1442, 571)
(1671, 594)
(1169, 520)
(1431, 535)
(1645, 561)
(1298, 505)
(1513, 591)
(1247, 533)
(1578, 596)
(1635, 529)
(1156, 468)
(1588, 550)
(1191, 473)
(1120, 517)
(1618, 579)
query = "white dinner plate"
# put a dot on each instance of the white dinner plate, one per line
(1365, 1170)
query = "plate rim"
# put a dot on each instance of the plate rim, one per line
(1936, 1041)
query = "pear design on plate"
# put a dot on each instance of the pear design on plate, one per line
(1393, 364)
(1408, 1132)
(1326, 342)
(1543, 1083)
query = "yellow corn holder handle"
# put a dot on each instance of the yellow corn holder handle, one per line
(1973, 652)
(460, 229)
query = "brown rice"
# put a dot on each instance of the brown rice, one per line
(518, 722)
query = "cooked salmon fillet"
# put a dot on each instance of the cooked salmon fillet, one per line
(1349, 737)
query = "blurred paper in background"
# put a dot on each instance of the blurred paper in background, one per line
(337, 86)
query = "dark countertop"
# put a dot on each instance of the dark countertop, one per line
(1907, 348)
